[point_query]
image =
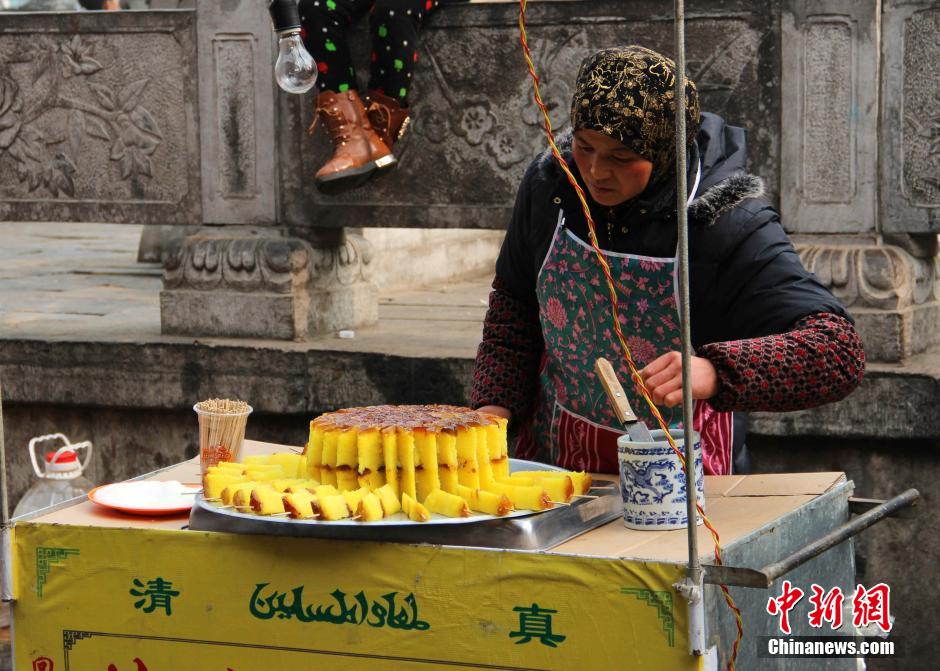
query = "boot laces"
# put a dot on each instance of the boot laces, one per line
(336, 126)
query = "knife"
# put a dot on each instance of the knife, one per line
(636, 428)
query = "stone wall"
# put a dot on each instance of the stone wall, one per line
(99, 117)
(476, 128)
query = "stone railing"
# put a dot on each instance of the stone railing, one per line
(172, 118)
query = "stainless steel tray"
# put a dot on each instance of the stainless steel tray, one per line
(533, 531)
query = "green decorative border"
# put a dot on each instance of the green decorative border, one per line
(72, 636)
(46, 558)
(662, 602)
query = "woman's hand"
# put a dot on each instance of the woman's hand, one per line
(663, 378)
(496, 410)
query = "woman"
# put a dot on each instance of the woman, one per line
(363, 132)
(767, 335)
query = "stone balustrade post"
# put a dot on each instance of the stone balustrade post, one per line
(245, 274)
(860, 192)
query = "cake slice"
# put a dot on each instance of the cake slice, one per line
(406, 457)
(228, 492)
(390, 502)
(314, 451)
(498, 450)
(414, 510)
(449, 505)
(347, 456)
(371, 459)
(523, 498)
(214, 483)
(370, 508)
(392, 464)
(447, 461)
(559, 487)
(265, 501)
(328, 465)
(485, 502)
(333, 507)
(354, 497)
(426, 477)
(484, 459)
(466, 444)
(300, 504)
(580, 480)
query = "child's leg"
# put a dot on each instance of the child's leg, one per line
(325, 26)
(394, 25)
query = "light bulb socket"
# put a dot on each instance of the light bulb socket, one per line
(284, 15)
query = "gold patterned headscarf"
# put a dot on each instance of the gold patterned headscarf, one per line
(628, 94)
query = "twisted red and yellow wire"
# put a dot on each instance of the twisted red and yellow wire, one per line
(615, 311)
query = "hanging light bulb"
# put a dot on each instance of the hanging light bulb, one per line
(295, 70)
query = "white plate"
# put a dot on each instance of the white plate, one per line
(146, 497)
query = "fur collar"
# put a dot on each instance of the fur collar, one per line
(725, 196)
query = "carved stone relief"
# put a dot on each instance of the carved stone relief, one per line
(264, 264)
(236, 113)
(56, 77)
(873, 276)
(909, 129)
(921, 109)
(344, 265)
(828, 165)
(259, 285)
(97, 124)
(235, 106)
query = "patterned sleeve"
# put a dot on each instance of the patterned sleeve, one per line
(819, 360)
(507, 363)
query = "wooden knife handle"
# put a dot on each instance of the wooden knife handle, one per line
(616, 396)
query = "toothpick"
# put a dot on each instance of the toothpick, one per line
(559, 503)
(584, 496)
(279, 515)
(356, 517)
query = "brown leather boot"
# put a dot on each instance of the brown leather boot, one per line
(357, 150)
(388, 118)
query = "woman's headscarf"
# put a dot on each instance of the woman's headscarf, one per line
(628, 94)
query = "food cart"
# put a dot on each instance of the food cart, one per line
(97, 589)
(93, 589)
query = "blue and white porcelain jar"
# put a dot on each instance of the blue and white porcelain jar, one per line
(652, 482)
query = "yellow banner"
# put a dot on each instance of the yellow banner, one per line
(100, 599)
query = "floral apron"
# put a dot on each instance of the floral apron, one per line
(573, 425)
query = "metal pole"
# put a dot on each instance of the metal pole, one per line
(6, 563)
(692, 589)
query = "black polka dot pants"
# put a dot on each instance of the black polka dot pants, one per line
(393, 25)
